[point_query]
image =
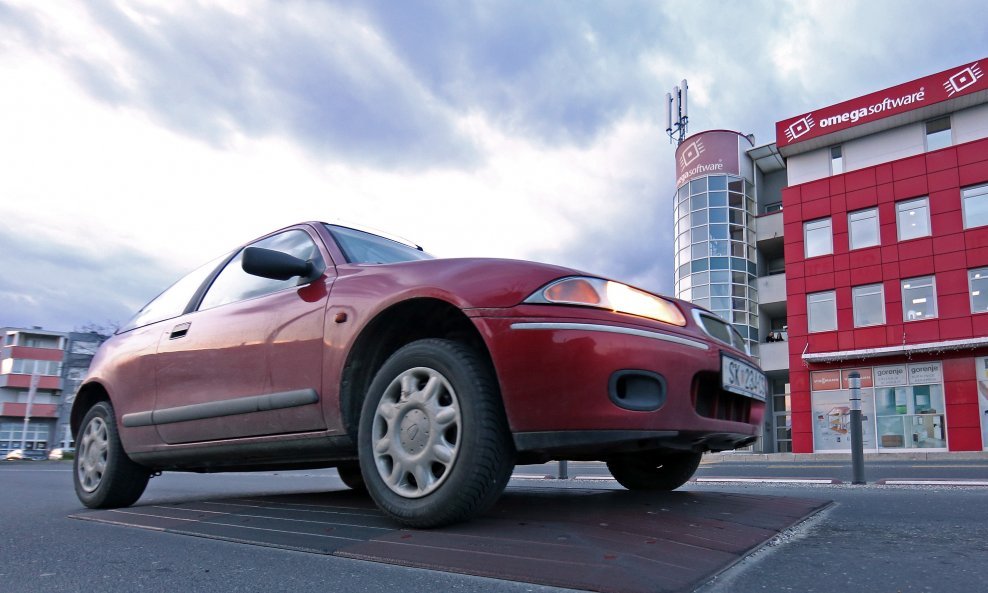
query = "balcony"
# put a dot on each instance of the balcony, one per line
(17, 381)
(772, 290)
(769, 227)
(37, 410)
(774, 356)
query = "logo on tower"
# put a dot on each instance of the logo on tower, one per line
(692, 152)
(963, 79)
(800, 127)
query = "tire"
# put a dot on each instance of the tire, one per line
(433, 440)
(656, 471)
(105, 478)
(350, 475)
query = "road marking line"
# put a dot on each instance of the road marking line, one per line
(771, 480)
(933, 482)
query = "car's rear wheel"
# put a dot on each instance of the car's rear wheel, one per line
(433, 439)
(654, 471)
(104, 476)
(350, 475)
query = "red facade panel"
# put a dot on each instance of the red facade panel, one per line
(862, 198)
(913, 187)
(972, 174)
(961, 392)
(963, 438)
(26, 352)
(941, 159)
(972, 152)
(958, 328)
(860, 179)
(943, 180)
(37, 410)
(909, 167)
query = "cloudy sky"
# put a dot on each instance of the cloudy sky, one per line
(140, 139)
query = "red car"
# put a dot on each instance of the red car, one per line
(422, 380)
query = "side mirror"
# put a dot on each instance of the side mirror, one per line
(276, 265)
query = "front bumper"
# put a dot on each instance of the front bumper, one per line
(557, 381)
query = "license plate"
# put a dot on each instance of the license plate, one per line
(742, 378)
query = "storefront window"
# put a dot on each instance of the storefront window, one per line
(902, 407)
(982, 368)
(909, 406)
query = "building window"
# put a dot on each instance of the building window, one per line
(818, 237)
(978, 285)
(863, 228)
(975, 203)
(836, 160)
(938, 133)
(913, 217)
(869, 305)
(919, 298)
(821, 311)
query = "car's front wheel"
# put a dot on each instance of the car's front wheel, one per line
(104, 476)
(433, 439)
(654, 471)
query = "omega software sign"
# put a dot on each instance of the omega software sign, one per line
(708, 153)
(929, 90)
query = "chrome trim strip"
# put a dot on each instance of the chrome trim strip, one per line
(614, 330)
(226, 407)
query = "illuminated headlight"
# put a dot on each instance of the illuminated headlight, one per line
(605, 294)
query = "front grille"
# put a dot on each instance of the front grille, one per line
(710, 401)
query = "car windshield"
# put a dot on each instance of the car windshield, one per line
(365, 248)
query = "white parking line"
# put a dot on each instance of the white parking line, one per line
(770, 480)
(934, 482)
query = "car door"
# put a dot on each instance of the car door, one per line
(248, 361)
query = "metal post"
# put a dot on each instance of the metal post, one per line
(35, 379)
(857, 438)
(563, 470)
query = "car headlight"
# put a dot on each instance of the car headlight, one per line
(606, 294)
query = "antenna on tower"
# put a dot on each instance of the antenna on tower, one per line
(677, 115)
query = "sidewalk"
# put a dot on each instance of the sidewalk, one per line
(784, 457)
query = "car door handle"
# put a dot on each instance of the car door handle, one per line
(179, 331)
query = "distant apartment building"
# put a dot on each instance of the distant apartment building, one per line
(30, 355)
(858, 241)
(60, 361)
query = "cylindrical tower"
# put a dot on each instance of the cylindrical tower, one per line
(714, 213)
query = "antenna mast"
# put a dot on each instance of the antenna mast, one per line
(676, 128)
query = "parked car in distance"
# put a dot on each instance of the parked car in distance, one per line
(60, 453)
(422, 380)
(16, 455)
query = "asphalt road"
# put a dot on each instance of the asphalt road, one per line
(875, 538)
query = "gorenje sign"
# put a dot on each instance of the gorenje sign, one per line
(930, 90)
(708, 153)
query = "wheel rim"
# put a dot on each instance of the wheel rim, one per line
(416, 432)
(92, 454)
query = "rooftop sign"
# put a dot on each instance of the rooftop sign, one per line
(716, 152)
(929, 90)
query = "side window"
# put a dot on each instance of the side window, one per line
(173, 301)
(233, 284)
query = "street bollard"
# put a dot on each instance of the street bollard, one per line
(857, 437)
(563, 470)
